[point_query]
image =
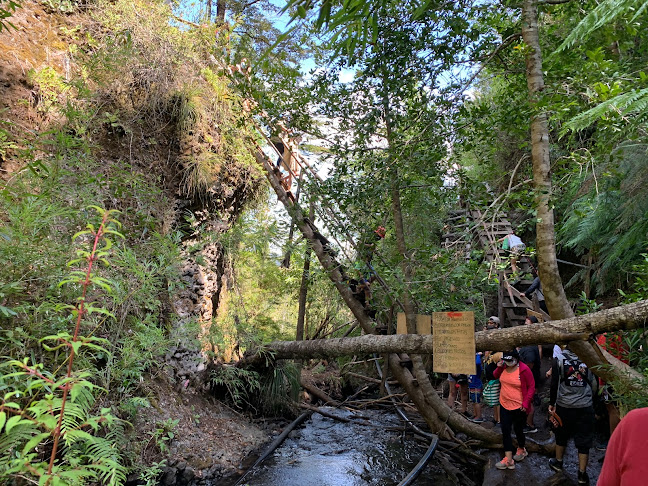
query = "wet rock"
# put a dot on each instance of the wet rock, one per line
(169, 476)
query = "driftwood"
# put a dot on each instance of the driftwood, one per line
(368, 378)
(324, 413)
(319, 394)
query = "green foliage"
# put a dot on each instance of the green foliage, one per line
(635, 342)
(604, 13)
(624, 105)
(162, 435)
(239, 383)
(610, 219)
(7, 9)
(280, 388)
(50, 86)
(61, 407)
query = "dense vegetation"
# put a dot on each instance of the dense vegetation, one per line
(149, 133)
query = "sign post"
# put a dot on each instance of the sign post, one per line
(454, 342)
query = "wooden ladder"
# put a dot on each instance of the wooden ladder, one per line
(466, 226)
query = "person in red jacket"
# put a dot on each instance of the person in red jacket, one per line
(625, 459)
(516, 394)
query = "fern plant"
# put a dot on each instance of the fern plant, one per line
(604, 13)
(40, 409)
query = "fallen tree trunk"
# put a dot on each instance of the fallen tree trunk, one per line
(581, 328)
(411, 386)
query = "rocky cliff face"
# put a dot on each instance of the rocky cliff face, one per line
(139, 121)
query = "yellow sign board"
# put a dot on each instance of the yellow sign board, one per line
(454, 342)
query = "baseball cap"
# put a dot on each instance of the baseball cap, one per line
(510, 356)
(494, 319)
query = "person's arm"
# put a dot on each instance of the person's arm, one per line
(555, 378)
(593, 381)
(534, 286)
(498, 371)
(526, 376)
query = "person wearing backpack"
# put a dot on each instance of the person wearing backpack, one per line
(572, 399)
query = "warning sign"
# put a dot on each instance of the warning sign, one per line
(454, 342)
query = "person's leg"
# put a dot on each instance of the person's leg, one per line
(452, 395)
(529, 417)
(507, 424)
(475, 398)
(584, 435)
(563, 432)
(496, 413)
(519, 420)
(463, 390)
(514, 263)
(613, 413)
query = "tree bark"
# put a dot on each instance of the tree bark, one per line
(291, 233)
(552, 287)
(571, 330)
(221, 7)
(303, 288)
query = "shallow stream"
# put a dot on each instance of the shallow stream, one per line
(326, 452)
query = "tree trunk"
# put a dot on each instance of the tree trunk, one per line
(552, 287)
(402, 374)
(291, 233)
(209, 10)
(303, 288)
(221, 7)
(571, 330)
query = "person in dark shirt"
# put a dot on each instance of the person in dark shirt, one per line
(536, 287)
(530, 356)
(573, 387)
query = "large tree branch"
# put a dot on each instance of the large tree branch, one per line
(573, 329)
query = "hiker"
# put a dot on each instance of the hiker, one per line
(367, 247)
(458, 381)
(361, 290)
(536, 287)
(516, 392)
(625, 460)
(493, 323)
(513, 244)
(572, 399)
(491, 391)
(475, 389)
(531, 356)
(557, 353)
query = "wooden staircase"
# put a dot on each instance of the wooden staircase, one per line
(469, 228)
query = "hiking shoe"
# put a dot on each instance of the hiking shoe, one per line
(601, 446)
(520, 454)
(467, 414)
(555, 464)
(506, 463)
(583, 478)
(529, 430)
(477, 420)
